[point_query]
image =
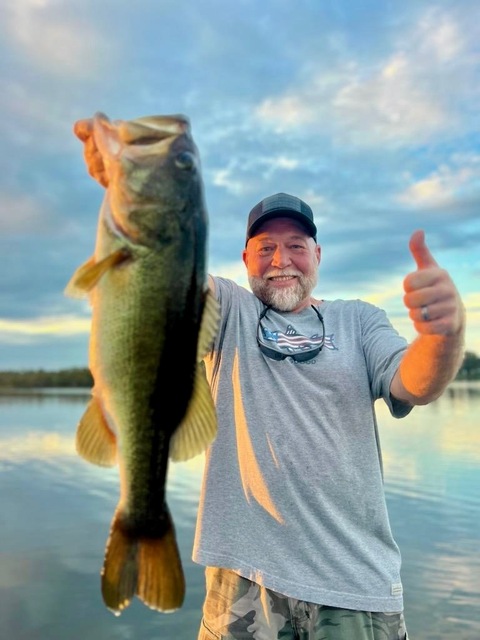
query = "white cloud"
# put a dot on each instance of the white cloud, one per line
(23, 331)
(236, 177)
(228, 179)
(287, 112)
(439, 35)
(52, 39)
(398, 101)
(389, 107)
(446, 185)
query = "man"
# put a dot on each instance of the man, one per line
(292, 524)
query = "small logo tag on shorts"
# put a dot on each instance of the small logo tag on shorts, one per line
(397, 589)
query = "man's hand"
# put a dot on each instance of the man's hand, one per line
(83, 129)
(434, 357)
(430, 295)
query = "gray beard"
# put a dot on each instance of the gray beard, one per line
(285, 299)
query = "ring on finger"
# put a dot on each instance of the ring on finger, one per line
(425, 314)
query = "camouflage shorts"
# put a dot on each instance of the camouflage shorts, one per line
(237, 609)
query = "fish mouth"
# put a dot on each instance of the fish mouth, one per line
(153, 129)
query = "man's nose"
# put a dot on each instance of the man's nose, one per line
(281, 258)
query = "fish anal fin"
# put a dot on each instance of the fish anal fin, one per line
(94, 440)
(209, 324)
(86, 277)
(149, 568)
(199, 426)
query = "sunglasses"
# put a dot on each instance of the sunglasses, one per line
(302, 356)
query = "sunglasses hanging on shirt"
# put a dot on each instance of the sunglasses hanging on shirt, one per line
(301, 356)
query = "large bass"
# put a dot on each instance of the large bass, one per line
(153, 320)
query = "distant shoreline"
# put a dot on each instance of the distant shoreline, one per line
(66, 392)
(74, 378)
(81, 378)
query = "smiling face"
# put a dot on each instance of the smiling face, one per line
(282, 262)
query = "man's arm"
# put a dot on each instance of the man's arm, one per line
(435, 356)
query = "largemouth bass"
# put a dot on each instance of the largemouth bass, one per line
(153, 320)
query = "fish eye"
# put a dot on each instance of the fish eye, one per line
(185, 160)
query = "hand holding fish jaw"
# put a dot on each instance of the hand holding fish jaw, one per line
(138, 161)
(83, 129)
(146, 130)
(431, 297)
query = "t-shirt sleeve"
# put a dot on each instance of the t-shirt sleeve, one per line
(383, 349)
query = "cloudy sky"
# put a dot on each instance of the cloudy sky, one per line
(367, 109)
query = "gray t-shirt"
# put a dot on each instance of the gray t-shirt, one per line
(292, 494)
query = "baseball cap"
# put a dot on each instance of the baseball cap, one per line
(278, 206)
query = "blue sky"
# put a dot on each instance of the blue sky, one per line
(367, 110)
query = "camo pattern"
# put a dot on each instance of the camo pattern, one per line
(238, 609)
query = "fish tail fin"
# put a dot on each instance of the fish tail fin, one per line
(161, 583)
(149, 568)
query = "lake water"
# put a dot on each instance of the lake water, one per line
(55, 512)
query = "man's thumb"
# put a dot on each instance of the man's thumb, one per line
(420, 252)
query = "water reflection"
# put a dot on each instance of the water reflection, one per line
(41, 396)
(432, 480)
(463, 390)
(55, 512)
(36, 445)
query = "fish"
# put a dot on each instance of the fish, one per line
(153, 321)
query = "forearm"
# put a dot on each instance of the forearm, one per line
(429, 364)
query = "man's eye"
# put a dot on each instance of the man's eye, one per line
(265, 250)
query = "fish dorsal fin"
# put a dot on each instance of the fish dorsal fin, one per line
(209, 324)
(199, 427)
(94, 440)
(90, 272)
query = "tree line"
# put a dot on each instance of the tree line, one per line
(82, 378)
(470, 369)
(69, 378)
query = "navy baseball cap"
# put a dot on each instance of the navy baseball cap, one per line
(281, 205)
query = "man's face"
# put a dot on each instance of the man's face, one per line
(282, 262)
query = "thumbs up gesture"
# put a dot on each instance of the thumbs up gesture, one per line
(431, 297)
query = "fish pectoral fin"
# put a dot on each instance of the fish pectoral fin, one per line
(74, 288)
(209, 324)
(89, 273)
(149, 568)
(199, 426)
(94, 440)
